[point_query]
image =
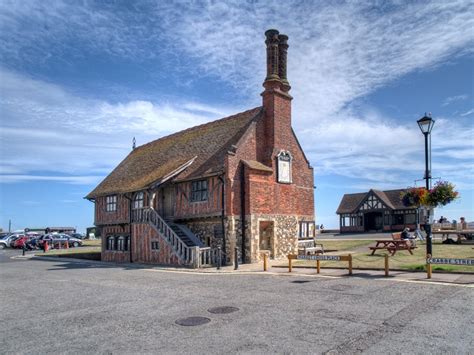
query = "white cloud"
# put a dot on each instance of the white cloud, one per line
(338, 53)
(43, 127)
(81, 180)
(456, 98)
(467, 113)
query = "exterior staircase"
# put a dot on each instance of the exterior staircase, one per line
(185, 235)
(186, 246)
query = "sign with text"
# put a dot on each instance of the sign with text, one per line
(319, 257)
(450, 261)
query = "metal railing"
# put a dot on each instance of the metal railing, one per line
(187, 254)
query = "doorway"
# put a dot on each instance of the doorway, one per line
(167, 209)
(266, 238)
(373, 221)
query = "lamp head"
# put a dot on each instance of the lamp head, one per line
(426, 123)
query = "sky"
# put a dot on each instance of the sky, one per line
(80, 79)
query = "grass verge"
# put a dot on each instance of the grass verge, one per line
(402, 260)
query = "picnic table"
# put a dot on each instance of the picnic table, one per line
(459, 234)
(392, 246)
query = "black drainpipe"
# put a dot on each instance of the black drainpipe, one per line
(242, 209)
(222, 220)
(130, 224)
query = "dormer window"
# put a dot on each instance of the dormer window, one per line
(138, 200)
(284, 159)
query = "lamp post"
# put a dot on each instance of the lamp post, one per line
(426, 124)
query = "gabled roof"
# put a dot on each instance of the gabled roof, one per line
(391, 198)
(207, 144)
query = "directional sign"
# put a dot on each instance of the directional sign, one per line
(320, 257)
(450, 261)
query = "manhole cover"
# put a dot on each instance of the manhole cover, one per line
(192, 321)
(222, 310)
(300, 281)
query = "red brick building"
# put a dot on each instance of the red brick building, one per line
(239, 182)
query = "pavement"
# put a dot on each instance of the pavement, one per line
(70, 306)
(277, 268)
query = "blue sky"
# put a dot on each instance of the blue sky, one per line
(79, 80)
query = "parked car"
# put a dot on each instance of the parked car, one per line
(5, 242)
(58, 239)
(12, 238)
(77, 235)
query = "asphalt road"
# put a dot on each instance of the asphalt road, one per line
(72, 307)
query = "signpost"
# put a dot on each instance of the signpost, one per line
(445, 261)
(320, 258)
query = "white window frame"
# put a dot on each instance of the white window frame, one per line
(138, 200)
(111, 203)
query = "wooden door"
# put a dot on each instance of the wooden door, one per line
(168, 201)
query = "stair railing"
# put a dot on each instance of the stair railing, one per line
(189, 255)
(208, 257)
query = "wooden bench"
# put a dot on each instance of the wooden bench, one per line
(309, 247)
(397, 236)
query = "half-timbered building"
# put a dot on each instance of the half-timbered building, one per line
(375, 211)
(242, 182)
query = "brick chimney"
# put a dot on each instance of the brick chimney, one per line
(276, 100)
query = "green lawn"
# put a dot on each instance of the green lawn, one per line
(401, 260)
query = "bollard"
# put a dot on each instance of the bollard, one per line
(24, 249)
(45, 246)
(236, 258)
(219, 258)
(318, 266)
(290, 266)
(265, 261)
(67, 245)
(350, 264)
(428, 267)
(386, 264)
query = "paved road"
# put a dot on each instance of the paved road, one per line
(74, 307)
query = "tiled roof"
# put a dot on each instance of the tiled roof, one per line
(392, 198)
(256, 165)
(151, 162)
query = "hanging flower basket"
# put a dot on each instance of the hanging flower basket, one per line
(441, 194)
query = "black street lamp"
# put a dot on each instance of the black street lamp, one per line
(426, 124)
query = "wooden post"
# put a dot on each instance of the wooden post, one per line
(290, 259)
(318, 265)
(386, 264)
(265, 261)
(428, 267)
(350, 264)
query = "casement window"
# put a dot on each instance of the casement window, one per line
(284, 159)
(111, 203)
(306, 230)
(155, 245)
(199, 191)
(138, 200)
(118, 243)
(110, 242)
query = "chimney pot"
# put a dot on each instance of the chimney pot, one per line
(272, 55)
(282, 58)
